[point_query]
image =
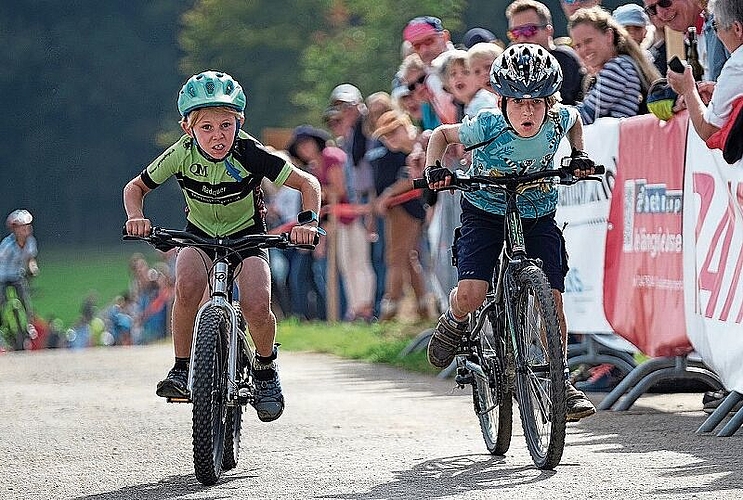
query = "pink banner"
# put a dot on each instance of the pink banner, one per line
(643, 280)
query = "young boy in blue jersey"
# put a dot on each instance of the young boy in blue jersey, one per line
(523, 137)
(220, 169)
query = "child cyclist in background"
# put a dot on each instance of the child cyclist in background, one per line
(220, 168)
(18, 253)
(523, 138)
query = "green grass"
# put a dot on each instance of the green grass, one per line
(68, 276)
(378, 343)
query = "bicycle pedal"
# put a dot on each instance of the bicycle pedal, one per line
(464, 379)
(178, 400)
(245, 396)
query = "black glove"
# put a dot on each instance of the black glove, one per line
(579, 160)
(436, 173)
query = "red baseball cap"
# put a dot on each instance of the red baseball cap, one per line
(421, 27)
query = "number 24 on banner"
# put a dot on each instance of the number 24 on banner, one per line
(720, 273)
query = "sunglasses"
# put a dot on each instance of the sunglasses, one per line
(426, 42)
(414, 85)
(526, 31)
(652, 9)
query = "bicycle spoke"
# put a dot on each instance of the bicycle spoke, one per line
(540, 369)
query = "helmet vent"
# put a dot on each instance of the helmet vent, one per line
(229, 88)
(209, 86)
(191, 91)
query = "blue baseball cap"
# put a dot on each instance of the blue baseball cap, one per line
(630, 14)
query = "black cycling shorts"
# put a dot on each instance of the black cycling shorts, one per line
(261, 253)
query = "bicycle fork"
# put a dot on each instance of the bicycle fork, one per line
(219, 298)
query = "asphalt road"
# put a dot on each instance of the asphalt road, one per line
(87, 425)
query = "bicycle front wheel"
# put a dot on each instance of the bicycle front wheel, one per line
(209, 394)
(492, 396)
(540, 368)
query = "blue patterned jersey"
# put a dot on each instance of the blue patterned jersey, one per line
(509, 153)
(14, 259)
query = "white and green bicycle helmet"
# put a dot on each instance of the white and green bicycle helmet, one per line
(210, 89)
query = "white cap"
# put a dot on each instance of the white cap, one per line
(345, 92)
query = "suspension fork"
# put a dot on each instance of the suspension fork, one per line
(220, 298)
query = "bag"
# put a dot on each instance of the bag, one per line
(730, 137)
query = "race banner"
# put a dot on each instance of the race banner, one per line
(643, 277)
(713, 260)
(582, 212)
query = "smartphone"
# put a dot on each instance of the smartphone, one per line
(676, 65)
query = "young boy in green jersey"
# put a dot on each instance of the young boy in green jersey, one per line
(220, 168)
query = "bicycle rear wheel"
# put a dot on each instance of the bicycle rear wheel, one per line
(492, 397)
(209, 394)
(234, 417)
(232, 437)
(540, 368)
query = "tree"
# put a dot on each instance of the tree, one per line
(85, 89)
(289, 55)
(258, 43)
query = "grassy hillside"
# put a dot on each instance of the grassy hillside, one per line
(69, 275)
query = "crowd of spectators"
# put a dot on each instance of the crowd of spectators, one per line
(387, 243)
(139, 315)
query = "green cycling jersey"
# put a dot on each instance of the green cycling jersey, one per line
(222, 197)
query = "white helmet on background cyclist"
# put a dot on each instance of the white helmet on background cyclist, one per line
(19, 218)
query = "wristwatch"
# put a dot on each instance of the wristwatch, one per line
(307, 217)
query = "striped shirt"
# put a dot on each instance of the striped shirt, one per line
(616, 92)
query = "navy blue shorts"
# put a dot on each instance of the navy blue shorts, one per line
(478, 247)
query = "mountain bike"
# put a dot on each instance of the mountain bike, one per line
(514, 345)
(14, 320)
(219, 381)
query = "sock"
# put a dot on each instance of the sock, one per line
(181, 363)
(267, 360)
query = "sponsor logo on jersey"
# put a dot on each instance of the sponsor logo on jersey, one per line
(198, 170)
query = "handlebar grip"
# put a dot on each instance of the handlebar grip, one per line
(420, 183)
(599, 169)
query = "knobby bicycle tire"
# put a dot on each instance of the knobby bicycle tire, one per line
(492, 398)
(15, 320)
(209, 392)
(233, 426)
(540, 368)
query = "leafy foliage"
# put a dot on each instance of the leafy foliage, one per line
(298, 57)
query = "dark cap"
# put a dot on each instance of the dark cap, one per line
(307, 132)
(477, 35)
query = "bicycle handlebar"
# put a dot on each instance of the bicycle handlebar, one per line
(465, 182)
(178, 238)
